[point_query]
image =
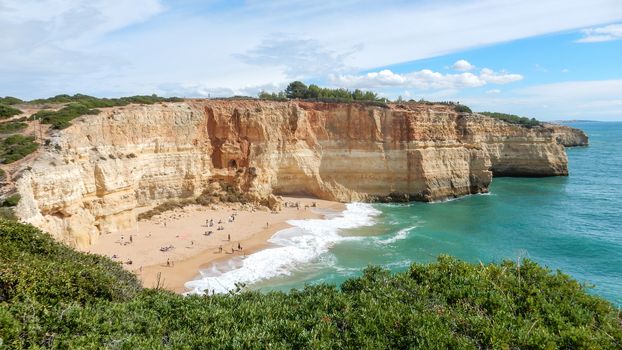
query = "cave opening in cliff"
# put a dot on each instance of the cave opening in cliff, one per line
(233, 164)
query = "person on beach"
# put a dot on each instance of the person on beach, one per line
(239, 246)
(229, 237)
(168, 263)
(131, 240)
(220, 249)
(267, 225)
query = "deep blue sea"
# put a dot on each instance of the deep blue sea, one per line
(572, 223)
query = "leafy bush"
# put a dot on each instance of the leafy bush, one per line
(51, 296)
(514, 119)
(8, 111)
(34, 266)
(12, 201)
(61, 119)
(11, 127)
(16, 147)
(299, 90)
(95, 102)
(9, 100)
(79, 105)
(463, 109)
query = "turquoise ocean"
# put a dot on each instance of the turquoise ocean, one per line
(572, 223)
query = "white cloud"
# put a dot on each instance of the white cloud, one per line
(118, 46)
(597, 99)
(425, 79)
(490, 76)
(600, 34)
(300, 58)
(493, 91)
(463, 66)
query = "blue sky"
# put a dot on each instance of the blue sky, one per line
(549, 59)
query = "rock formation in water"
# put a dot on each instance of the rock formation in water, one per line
(568, 136)
(96, 175)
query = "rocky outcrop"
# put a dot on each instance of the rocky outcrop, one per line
(98, 174)
(567, 136)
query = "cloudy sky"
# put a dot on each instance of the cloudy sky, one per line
(549, 59)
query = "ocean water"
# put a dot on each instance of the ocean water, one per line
(569, 223)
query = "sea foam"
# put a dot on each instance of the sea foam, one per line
(302, 243)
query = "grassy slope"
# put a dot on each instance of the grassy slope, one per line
(53, 296)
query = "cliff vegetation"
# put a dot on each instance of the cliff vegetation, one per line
(52, 296)
(513, 119)
(78, 105)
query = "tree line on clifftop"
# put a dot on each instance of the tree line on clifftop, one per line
(52, 296)
(299, 90)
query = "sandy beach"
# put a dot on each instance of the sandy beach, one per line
(169, 249)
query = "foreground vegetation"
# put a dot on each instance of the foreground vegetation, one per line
(513, 119)
(52, 296)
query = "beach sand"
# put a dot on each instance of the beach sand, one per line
(185, 230)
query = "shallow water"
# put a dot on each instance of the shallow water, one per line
(569, 223)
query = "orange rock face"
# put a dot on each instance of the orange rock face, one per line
(125, 159)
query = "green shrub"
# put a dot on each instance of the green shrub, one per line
(11, 127)
(462, 109)
(8, 111)
(52, 296)
(61, 119)
(2, 175)
(34, 266)
(299, 90)
(513, 119)
(9, 100)
(95, 102)
(16, 147)
(12, 201)
(79, 105)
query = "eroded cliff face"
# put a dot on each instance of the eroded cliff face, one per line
(567, 136)
(100, 172)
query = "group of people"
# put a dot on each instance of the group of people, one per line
(220, 249)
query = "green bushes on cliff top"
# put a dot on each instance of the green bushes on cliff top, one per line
(62, 118)
(79, 105)
(513, 119)
(299, 90)
(52, 296)
(95, 102)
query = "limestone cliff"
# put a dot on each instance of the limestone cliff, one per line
(97, 174)
(568, 136)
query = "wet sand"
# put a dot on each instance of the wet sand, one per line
(185, 230)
